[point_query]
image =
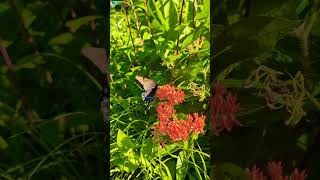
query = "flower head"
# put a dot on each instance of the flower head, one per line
(165, 111)
(175, 129)
(223, 109)
(170, 93)
(275, 172)
(255, 174)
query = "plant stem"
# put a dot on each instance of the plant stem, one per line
(136, 19)
(177, 46)
(305, 42)
(148, 17)
(180, 20)
(128, 22)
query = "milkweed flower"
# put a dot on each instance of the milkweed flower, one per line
(165, 111)
(178, 130)
(255, 174)
(170, 93)
(223, 109)
(175, 129)
(275, 172)
(196, 122)
(296, 175)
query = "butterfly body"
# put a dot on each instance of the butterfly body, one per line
(150, 88)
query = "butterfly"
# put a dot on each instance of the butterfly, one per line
(98, 56)
(150, 88)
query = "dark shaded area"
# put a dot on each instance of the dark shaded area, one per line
(248, 34)
(51, 123)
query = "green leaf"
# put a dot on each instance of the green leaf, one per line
(61, 39)
(29, 62)
(157, 14)
(3, 143)
(124, 141)
(205, 13)
(75, 24)
(4, 7)
(227, 71)
(6, 43)
(28, 18)
(182, 166)
(172, 15)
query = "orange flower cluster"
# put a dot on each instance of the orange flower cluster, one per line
(222, 110)
(176, 129)
(275, 171)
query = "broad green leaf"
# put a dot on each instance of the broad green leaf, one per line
(172, 15)
(75, 24)
(157, 14)
(28, 18)
(3, 143)
(124, 141)
(61, 39)
(205, 12)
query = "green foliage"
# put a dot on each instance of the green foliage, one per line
(167, 41)
(50, 119)
(266, 52)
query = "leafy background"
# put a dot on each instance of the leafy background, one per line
(144, 36)
(50, 119)
(248, 35)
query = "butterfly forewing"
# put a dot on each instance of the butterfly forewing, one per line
(98, 56)
(147, 84)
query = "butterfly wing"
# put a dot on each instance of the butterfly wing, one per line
(147, 83)
(98, 56)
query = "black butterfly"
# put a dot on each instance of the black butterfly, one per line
(150, 88)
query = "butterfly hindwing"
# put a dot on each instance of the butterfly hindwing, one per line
(149, 86)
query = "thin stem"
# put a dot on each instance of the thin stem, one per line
(136, 19)
(177, 46)
(180, 21)
(128, 23)
(305, 42)
(193, 14)
(148, 17)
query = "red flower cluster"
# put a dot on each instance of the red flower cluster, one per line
(168, 92)
(255, 174)
(275, 171)
(176, 129)
(222, 110)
